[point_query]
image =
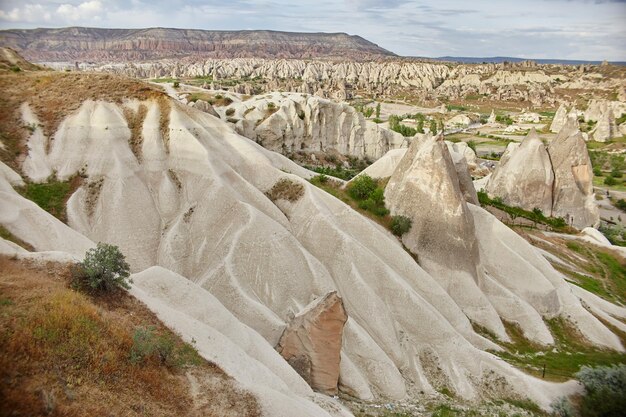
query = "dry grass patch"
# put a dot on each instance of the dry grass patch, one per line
(64, 353)
(286, 189)
(135, 123)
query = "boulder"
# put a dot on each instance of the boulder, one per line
(528, 117)
(206, 107)
(460, 120)
(311, 343)
(524, 177)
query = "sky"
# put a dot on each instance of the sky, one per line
(539, 29)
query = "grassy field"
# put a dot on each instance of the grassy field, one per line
(598, 181)
(561, 361)
(51, 196)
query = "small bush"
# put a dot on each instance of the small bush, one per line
(301, 114)
(15, 68)
(605, 391)
(621, 204)
(362, 187)
(322, 178)
(400, 225)
(230, 112)
(104, 269)
(597, 172)
(616, 173)
(176, 84)
(610, 181)
(562, 407)
(162, 348)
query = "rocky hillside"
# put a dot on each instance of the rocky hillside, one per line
(291, 122)
(127, 45)
(284, 286)
(525, 84)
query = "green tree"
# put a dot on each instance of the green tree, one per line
(400, 225)
(362, 187)
(609, 180)
(378, 111)
(104, 269)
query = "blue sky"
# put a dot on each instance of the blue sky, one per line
(565, 29)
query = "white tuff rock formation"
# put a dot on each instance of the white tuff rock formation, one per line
(220, 260)
(289, 122)
(572, 196)
(524, 177)
(336, 79)
(560, 117)
(556, 179)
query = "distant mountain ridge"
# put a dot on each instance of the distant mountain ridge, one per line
(101, 45)
(500, 59)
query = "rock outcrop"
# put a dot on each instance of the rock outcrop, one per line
(560, 117)
(341, 79)
(524, 177)
(556, 179)
(605, 129)
(204, 106)
(426, 188)
(311, 343)
(572, 196)
(290, 122)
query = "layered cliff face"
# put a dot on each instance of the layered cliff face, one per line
(126, 45)
(556, 179)
(187, 200)
(288, 122)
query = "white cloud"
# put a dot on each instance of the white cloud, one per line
(86, 10)
(31, 13)
(585, 29)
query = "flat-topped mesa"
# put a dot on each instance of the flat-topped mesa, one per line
(311, 343)
(104, 45)
(524, 178)
(573, 197)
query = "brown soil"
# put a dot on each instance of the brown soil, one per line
(63, 353)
